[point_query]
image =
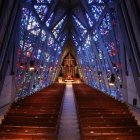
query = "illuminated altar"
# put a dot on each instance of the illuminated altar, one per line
(69, 68)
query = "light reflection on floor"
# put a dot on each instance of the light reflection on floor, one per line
(69, 129)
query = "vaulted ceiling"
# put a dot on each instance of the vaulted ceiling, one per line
(87, 28)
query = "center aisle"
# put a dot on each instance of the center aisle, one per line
(69, 128)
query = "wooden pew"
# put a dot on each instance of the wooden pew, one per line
(35, 117)
(102, 117)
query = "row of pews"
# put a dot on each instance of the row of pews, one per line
(35, 117)
(101, 117)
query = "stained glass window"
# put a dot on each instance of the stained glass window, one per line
(97, 11)
(99, 50)
(49, 20)
(39, 52)
(44, 1)
(41, 10)
(89, 20)
(58, 27)
(43, 35)
(79, 27)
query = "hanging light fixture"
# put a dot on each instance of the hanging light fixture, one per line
(100, 73)
(114, 66)
(112, 80)
(100, 80)
(21, 65)
(28, 54)
(42, 65)
(31, 65)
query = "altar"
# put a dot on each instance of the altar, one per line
(69, 79)
(69, 70)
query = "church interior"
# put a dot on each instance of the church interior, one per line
(69, 70)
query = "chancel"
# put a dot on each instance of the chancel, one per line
(69, 70)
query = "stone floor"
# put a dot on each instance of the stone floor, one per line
(69, 128)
